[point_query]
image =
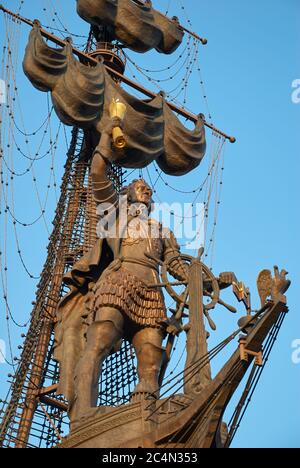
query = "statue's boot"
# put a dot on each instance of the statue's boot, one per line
(101, 338)
(149, 357)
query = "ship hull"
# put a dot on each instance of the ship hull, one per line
(181, 421)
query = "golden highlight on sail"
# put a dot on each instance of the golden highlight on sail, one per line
(117, 110)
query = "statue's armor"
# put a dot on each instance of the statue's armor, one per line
(124, 285)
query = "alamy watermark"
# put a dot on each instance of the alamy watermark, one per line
(296, 352)
(185, 220)
(296, 92)
(2, 352)
(2, 92)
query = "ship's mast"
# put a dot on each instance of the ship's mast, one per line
(73, 235)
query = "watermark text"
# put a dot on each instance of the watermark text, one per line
(296, 92)
(296, 352)
(2, 352)
(2, 92)
(186, 221)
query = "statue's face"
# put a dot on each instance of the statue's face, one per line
(140, 192)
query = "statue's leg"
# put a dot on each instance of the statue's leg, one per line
(148, 347)
(102, 336)
(70, 355)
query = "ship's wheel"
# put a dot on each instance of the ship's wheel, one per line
(211, 287)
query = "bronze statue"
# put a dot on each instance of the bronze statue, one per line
(112, 301)
(123, 304)
(110, 297)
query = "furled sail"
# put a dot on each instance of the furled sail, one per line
(43, 65)
(133, 22)
(77, 90)
(82, 96)
(183, 148)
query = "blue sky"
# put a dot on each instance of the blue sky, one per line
(249, 64)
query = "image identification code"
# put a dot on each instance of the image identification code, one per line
(151, 457)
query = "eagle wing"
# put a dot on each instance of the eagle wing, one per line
(264, 285)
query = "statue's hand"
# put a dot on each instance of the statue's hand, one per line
(226, 279)
(179, 269)
(103, 148)
(107, 144)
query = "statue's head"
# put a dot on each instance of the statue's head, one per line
(138, 191)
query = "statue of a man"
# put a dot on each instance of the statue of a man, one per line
(110, 297)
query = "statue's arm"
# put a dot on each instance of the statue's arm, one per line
(178, 268)
(103, 188)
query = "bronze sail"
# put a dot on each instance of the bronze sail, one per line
(134, 23)
(43, 65)
(82, 95)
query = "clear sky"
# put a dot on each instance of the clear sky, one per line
(249, 65)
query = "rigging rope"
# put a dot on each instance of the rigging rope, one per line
(10, 143)
(252, 382)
